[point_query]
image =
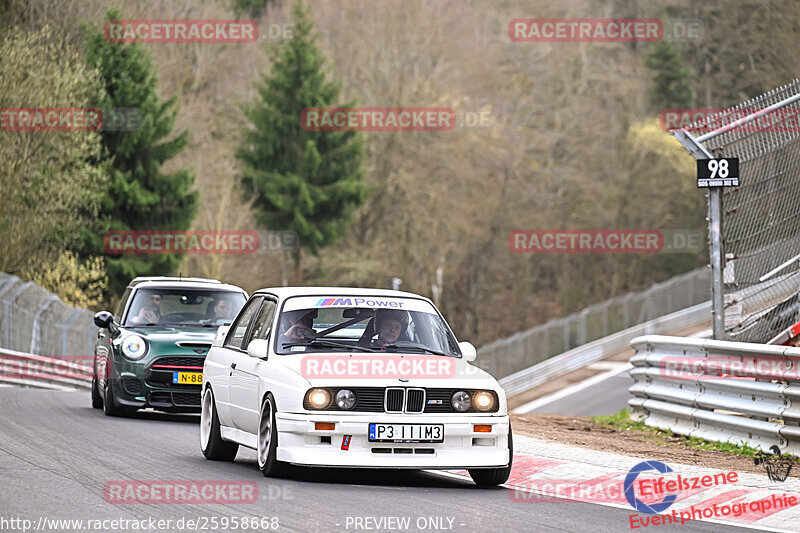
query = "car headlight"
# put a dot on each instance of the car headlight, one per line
(134, 347)
(346, 399)
(483, 400)
(460, 401)
(319, 398)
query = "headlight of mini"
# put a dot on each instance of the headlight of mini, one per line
(134, 347)
(319, 398)
(483, 400)
(346, 399)
(460, 401)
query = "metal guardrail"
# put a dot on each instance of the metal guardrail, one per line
(587, 354)
(34, 320)
(718, 390)
(504, 357)
(29, 370)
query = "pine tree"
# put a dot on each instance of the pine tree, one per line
(672, 87)
(140, 196)
(302, 181)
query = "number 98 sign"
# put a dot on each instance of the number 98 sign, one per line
(718, 172)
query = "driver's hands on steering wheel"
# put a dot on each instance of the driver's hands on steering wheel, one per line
(147, 316)
(300, 332)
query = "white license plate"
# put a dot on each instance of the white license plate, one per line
(406, 432)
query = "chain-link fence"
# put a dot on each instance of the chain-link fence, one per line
(33, 320)
(522, 350)
(761, 217)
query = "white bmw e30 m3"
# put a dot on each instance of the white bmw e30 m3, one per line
(353, 378)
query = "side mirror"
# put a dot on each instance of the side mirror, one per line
(468, 351)
(222, 332)
(258, 348)
(104, 319)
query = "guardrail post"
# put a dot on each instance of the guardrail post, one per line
(64, 327)
(36, 334)
(626, 311)
(582, 333)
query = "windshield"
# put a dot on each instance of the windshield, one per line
(183, 307)
(363, 324)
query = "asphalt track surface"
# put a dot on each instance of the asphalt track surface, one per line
(600, 398)
(57, 454)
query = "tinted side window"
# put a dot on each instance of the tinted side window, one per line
(239, 328)
(263, 325)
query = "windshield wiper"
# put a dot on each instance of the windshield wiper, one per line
(407, 346)
(327, 343)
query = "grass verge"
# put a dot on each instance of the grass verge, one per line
(622, 421)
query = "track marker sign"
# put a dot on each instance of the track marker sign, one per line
(723, 172)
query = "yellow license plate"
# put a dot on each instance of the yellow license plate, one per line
(190, 378)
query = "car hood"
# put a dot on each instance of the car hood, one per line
(331, 371)
(161, 335)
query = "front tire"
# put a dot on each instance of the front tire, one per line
(97, 400)
(490, 477)
(211, 443)
(268, 441)
(110, 406)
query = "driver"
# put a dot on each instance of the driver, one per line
(151, 312)
(299, 325)
(390, 325)
(223, 309)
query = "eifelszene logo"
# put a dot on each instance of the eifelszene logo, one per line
(630, 495)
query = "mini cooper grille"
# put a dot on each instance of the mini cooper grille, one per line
(178, 399)
(179, 361)
(186, 398)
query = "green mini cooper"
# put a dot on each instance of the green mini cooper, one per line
(150, 353)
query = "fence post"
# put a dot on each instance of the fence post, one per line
(10, 321)
(36, 334)
(716, 254)
(64, 326)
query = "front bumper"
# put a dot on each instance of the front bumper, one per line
(299, 443)
(134, 387)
